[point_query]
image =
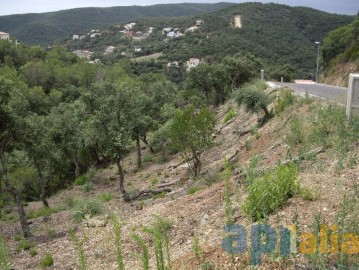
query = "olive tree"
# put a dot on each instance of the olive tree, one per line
(191, 133)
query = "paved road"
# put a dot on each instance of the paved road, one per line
(337, 94)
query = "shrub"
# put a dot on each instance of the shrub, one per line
(207, 265)
(154, 181)
(147, 158)
(270, 192)
(286, 98)
(86, 208)
(308, 194)
(43, 212)
(47, 261)
(192, 190)
(196, 248)
(4, 255)
(105, 197)
(80, 249)
(296, 134)
(33, 252)
(81, 180)
(229, 115)
(87, 187)
(23, 245)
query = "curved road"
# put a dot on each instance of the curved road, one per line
(334, 93)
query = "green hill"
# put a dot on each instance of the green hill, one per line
(44, 28)
(277, 34)
(340, 53)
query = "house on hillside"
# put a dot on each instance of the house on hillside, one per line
(192, 63)
(166, 30)
(110, 49)
(74, 37)
(199, 23)
(4, 36)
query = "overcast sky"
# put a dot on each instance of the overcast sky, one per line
(36, 6)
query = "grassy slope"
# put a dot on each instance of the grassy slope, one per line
(320, 174)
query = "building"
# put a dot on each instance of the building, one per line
(110, 49)
(74, 37)
(192, 63)
(4, 36)
(199, 23)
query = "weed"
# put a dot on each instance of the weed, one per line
(228, 202)
(47, 261)
(229, 115)
(144, 256)
(147, 158)
(207, 265)
(247, 144)
(251, 172)
(87, 187)
(81, 180)
(285, 99)
(18, 237)
(297, 133)
(105, 197)
(308, 194)
(155, 181)
(193, 189)
(43, 212)
(23, 245)
(79, 245)
(117, 231)
(33, 252)
(270, 192)
(159, 195)
(86, 208)
(196, 248)
(4, 255)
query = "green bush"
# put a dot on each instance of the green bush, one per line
(86, 208)
(43, 212)
(229, 115)
(4, 255)
(147, 158)
(47, 261)
(308, 194)
(105, 197)
(81, 180)
(271, 192)
(192, 190)
(285, 99)
(297, 133)
(23, 245)
(87, 187)
(33, 252)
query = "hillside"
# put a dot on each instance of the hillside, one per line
(196, 207)
(340, 54)
(276, 34)
(47, 28)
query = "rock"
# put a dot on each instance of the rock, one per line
(204, 220)
(94, 222)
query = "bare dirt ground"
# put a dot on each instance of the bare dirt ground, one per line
(201, 214)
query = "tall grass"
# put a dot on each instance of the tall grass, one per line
(79, 245)
(144, 257)
(118, 248)
(4, 255)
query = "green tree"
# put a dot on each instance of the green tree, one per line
(254, 99)
(191, 133)
(12, 109)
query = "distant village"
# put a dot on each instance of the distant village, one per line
(128, 31)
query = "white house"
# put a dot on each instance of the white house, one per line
(192, 63)
(4, 35)
(74, 37)
(110, 49)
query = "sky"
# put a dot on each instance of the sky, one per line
(8, 7)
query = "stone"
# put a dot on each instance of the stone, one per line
(204, 220)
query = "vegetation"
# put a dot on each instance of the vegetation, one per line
(80, 249)
(47, 261)
(271, 192)
(191, 133)
(4, 255)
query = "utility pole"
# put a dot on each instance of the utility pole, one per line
(317, 73)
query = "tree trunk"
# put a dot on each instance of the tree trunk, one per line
(42, 184)
(13, 192)
(77, 167)
(138, 146)
(95, 155)
(122, 178)
(144, 139)
(196, 165)
(266, 111)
